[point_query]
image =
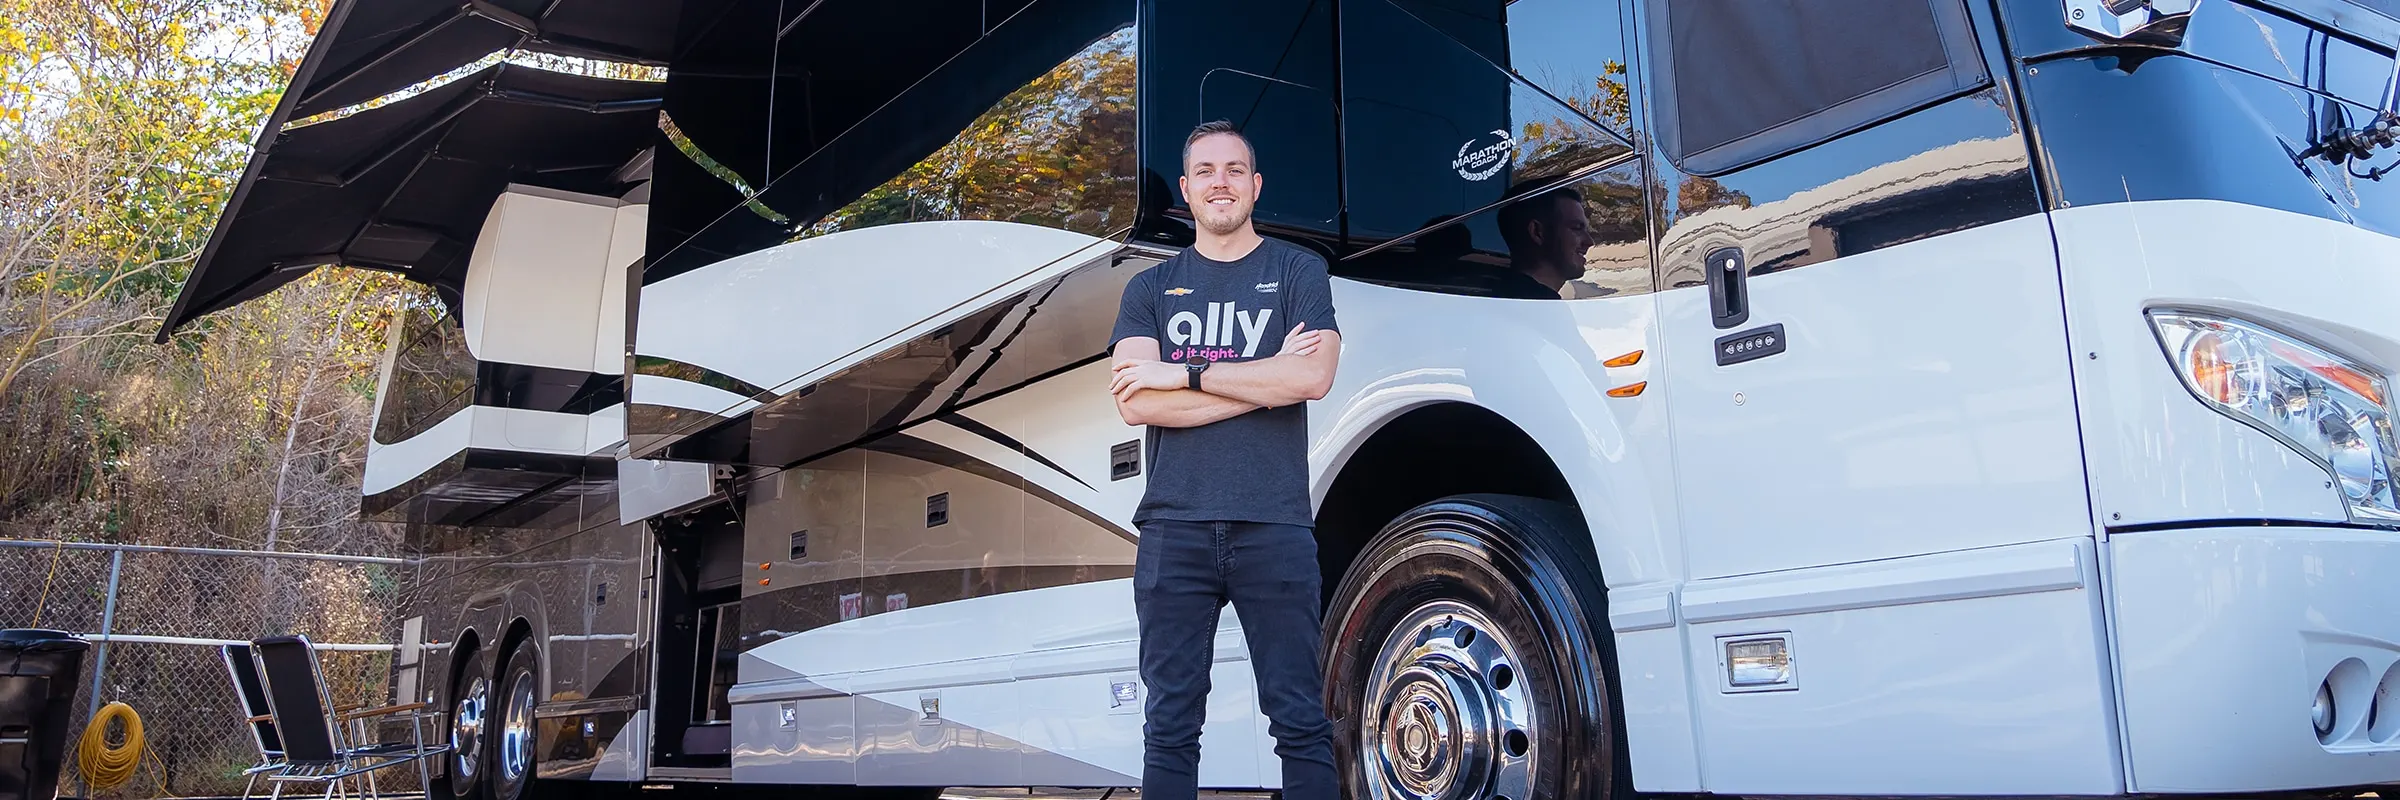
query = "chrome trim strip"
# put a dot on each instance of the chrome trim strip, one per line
(602, 705)
(2016, 569)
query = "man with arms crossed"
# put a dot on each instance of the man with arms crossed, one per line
(1226, 517)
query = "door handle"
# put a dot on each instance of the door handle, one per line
(1728, 287)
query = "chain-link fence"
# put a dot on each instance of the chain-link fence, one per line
(155, 616)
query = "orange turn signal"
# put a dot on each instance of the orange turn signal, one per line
(1626, 360)
(1630, 390)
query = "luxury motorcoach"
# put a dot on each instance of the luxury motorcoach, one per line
(1842, 398)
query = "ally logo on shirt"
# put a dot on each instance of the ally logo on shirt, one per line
(1214, 337)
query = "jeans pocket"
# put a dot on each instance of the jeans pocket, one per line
(1145, 561)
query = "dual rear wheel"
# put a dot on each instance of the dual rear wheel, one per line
(492, 730)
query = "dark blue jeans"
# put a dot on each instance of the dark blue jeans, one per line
(1183, 576)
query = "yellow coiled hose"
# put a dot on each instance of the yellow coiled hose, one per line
(106, 767)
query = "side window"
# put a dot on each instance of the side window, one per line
(1741, 86)
(1266, 66)
(433, 375)
(1434, 128)
(1574, 49)
(1489, 148)
(1586, 238)
(714, 129)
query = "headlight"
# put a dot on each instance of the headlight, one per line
(2319, 403)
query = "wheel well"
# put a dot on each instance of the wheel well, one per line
(518, 632)
(1424, 455)
(462, 658)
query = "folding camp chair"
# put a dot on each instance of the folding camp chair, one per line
(316, 745)
(261, 716)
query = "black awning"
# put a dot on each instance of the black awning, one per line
(405, 187)
(371, 48)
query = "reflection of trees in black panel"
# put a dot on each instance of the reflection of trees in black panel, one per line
(433, 376)
(1056, 152)
(1530, 248)
(885, 112)
(1438, 126)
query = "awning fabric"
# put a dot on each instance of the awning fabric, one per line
(405, 187)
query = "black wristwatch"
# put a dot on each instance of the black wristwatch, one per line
(1192, 367)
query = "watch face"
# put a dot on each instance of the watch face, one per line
(1195, 360)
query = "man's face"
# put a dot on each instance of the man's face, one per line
(1219, 184)
(1564, 235)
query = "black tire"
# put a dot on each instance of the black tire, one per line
(1459, 601)
(510, 758)
(467, 757)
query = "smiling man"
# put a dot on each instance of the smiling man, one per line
(1226, 516)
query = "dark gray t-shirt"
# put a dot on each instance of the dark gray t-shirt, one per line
(1253, 467)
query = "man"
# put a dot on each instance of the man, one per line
(1226, 517)
(1547, 236)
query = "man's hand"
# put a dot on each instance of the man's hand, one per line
(1134, 374)
(1153, 392)
(1297, 343)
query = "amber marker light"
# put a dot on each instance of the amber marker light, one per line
(1626, 360)
(2211, 368)
(1630, 390)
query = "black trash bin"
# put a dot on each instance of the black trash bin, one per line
(39, 672)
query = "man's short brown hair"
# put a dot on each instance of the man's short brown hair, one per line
(1528, 207)
(1214, 128)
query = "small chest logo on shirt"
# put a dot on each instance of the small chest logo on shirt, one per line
(1213, 337)
(1178, 292)
(1267, 288)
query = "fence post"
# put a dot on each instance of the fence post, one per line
(108, 625)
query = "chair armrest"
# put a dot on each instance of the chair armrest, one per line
(384, 711)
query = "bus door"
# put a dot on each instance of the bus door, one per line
(1860, 295)
(1877, 455)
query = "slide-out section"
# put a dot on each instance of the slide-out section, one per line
(952, 604)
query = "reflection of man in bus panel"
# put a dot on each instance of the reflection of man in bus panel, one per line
(1246, 329)
(1547, 235)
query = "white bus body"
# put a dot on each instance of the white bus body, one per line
(1957, 397)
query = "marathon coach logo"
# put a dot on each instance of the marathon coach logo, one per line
(1478, 163)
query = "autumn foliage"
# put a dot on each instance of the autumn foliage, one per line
(124, 125)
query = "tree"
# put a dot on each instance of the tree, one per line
(123, 127)
(120, 124)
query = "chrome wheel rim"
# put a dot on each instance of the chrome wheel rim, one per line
(466, 729)
(1447, 717)
(516, 729)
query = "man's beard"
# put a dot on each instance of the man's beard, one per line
(1222, 225)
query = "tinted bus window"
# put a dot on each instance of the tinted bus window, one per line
(1057, 152)
(1576, 50)
(1778, 75)
(433, 375)
(1588, 238)
(1267, 66)
(1435, 129)
(1031, 122)
(714, 129)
